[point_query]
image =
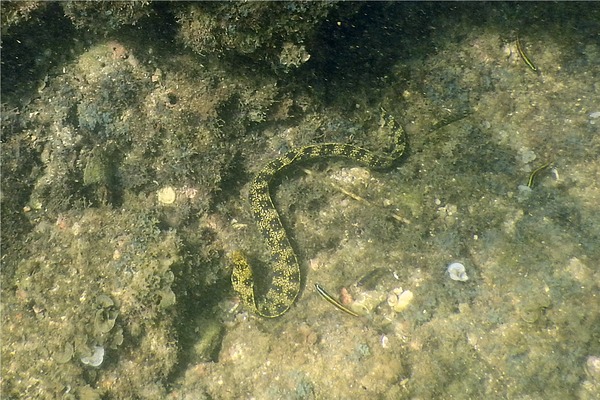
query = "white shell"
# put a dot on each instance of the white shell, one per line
(457, 272)
(399, 300)
(95, 359)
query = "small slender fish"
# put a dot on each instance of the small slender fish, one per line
(524, 56)
(371, 279)
(535, 172)
(333, 301)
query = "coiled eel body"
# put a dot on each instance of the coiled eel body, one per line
(280, 285)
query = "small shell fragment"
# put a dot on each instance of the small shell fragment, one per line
(96, 358)
(384, 341)
(366, 302)
(399, 300)
(457, 272)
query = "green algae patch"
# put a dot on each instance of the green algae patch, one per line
(266, 31)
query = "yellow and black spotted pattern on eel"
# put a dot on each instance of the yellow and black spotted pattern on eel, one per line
(278, 287)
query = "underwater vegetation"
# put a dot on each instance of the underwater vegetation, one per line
(132, 133)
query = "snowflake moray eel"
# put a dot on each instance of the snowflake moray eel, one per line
(279, 286)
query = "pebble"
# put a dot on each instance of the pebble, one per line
(527, 155)
(523, 193)
(167, 195)
(399, 300)
(457, 272)
(592, 368)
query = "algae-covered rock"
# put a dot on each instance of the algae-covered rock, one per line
(17, 12)
(272, 31)
(94, 280)
(105, 16)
